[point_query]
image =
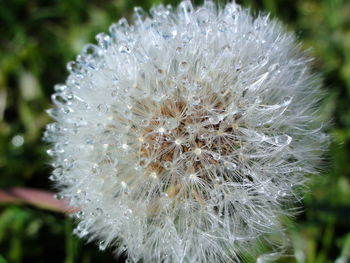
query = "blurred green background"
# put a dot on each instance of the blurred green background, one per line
(38, 38)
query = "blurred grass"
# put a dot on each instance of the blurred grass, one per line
(39, 37)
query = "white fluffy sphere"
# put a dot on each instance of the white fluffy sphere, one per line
(181, 138)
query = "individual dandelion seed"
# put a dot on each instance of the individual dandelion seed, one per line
(181, 137)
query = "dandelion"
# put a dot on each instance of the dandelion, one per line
(182, 137)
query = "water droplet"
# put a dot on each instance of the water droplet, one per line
(165, 195)
(59, 99)
(166, 30)
(274, 68)
(90, 56)
(171, 123)
(124, 49)
(214, 120)
(153, 175)
(216, 156)
(139, 15)
(231, 166)
(58, 196)
(99, 211)
(75, 68)
(192, 176)
(183, 66)
(161, 130)
(209, 5)
(282, 140)
(167, 165)
(286, 101)
(185, 9)
(203, 16)
(197, 151)
(262, 60)
(145, 122)
(102, 245)
(160, 74)
(104, 40)
(238, 65)
(79, 214)
(102, 108)
(178, 141)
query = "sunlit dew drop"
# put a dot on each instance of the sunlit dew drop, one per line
(178, 141)
(102, 245)
(216, 156)
(274, 68)
(283, 140)
(184, 66)
(166, 30)
(99, 211)
(74, 67)
(104, 40)
(186, 9)
(153, 175)
(231, 166)
(192, 176)
(197, 151)
(171, 123)
(160, 75)
(124, 49)
(195, 100)
(145, 122)
(167, 165)
(90, 52)
(263, 60)
(124, 185)
(139, 15)
(202, 16)
(102, 108)
(214, 120)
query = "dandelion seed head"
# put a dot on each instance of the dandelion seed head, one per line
(181, 136)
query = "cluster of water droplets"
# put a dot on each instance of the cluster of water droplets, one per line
(179, 137)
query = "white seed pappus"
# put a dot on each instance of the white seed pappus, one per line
(182, 137)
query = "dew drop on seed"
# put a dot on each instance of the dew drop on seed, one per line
(160, 74)
(274, 68)
(166, 30)
(231, 166)
(262, 60)
(197, 151)
(102, 245)
(102, 108)
(283, 140)
(202, 16)
(195, 100)
(216, 156)
(124, 49)
(103, 40)
(186, 8)
(167, 165)
(214, 120)
(139, 14)
(184, 66)
(99, 211)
